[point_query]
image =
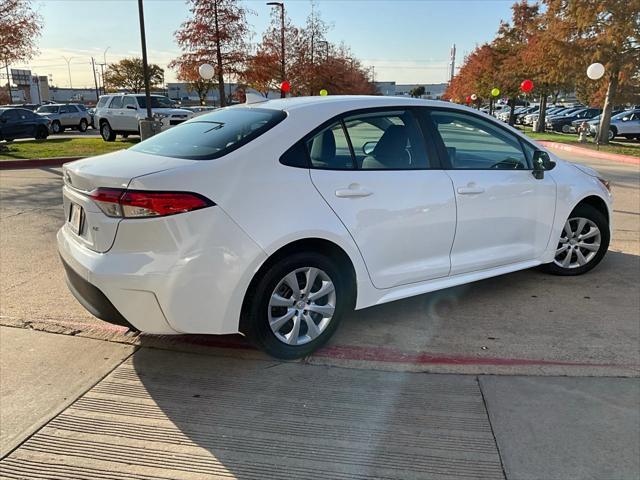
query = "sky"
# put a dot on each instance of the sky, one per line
(405, 41)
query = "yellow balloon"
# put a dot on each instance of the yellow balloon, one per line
(495, 92)
(323, 93)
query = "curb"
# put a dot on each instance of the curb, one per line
(587, 152)
(36, 162)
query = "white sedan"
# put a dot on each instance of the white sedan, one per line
(273, 219)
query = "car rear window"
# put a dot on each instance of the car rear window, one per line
(212, 135)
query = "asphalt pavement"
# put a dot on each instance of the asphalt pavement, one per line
(526, 376)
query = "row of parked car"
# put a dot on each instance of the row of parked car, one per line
(114, 114)
(624, 123)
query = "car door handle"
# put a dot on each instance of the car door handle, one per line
(353, 191)
(470, 190)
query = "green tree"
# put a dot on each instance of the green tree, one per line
(417, 92)
(128, 74)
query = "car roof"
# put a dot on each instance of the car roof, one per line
(347, 102)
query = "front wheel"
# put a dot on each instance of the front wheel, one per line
(296, 305)
(56, 127)
(583, 242)
(42, 133)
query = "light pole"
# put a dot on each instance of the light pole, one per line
(68, 60)
(102, 65)
(282, 64)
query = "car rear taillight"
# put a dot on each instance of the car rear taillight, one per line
(115, 202)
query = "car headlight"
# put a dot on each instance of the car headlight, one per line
(160, 116)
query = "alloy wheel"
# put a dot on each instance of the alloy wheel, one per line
(301, 306)
(579, 243)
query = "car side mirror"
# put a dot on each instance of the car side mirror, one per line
(131, 107)
(541, 163)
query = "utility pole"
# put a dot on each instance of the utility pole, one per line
(9, 84)
(102, 65)
(95, 80)
(282, 59)
(68, 60)
(452, 62)
(145, 65)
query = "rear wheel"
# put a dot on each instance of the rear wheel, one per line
(83, 125)
(107, 134)
(612, 133)
(295, 307)
(583, 242)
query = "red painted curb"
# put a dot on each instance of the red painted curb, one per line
(587, 152)
(36, 162)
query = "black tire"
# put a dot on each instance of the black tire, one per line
(107, 134)
(597, 217)
(613, 133)
(125, 135)
(42, 133)
(56, 127)
(255, 318)
(82, 127)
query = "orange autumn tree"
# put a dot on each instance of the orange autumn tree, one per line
(20, 28)
(217, 33)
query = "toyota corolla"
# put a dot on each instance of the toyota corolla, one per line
(275, 218)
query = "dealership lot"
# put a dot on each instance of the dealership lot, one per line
(235, 413)
(526, 322)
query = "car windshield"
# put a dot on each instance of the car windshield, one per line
(48, 109)
(156, 102)
(212, 135)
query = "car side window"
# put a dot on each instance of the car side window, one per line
(329, 149)
(116, 102)
(129, 101)
(10, 116)
(387, 141)
(473, 143)
(102, 102)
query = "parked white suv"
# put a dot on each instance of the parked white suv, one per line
(119, 114)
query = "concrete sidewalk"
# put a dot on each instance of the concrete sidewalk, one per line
(42, 373)
(170, 415)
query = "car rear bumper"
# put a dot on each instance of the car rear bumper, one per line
(91, 298)
(184, 273)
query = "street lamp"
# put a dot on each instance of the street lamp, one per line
(282, 69)
(68, 60)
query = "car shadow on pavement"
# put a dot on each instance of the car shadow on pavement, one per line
(269, 419)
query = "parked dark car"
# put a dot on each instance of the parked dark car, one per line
(22, 123)
(563, 123)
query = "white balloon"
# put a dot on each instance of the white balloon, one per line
(595, 71)
(206, 71)
(474, 97)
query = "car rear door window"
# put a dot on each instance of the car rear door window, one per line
(329, 149)
(116, 102)
(473, 143)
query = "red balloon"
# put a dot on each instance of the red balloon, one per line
(526, 86)
(468, 99)
(285, 86)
